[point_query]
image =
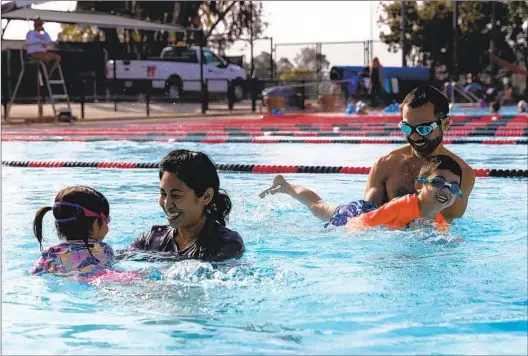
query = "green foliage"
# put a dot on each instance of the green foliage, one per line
(75, 33)
(207, 15)
(309, 59)
(284, 64)
(516, 36)
(261, 63)
(429, 32)
(305, 60)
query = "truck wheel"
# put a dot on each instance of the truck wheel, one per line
(174, 90)
(239, 91)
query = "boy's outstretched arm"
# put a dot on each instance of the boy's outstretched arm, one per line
(307, 197)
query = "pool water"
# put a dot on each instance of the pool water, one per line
(504, 110)
(298, 289)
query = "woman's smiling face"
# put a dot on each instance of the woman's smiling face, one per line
(179, 202)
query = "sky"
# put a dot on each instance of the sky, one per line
(289, 22)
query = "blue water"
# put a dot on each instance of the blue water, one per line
(297, 290)
(505, 110)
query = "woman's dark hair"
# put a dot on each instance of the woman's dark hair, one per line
(80, 227)
(198, 172)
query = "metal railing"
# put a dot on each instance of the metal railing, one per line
(470, 97)
(116, 91)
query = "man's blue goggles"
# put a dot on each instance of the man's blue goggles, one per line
(422, 129)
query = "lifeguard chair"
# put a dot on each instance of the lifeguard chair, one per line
(55, 97)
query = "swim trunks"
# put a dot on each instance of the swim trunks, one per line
(350, 210)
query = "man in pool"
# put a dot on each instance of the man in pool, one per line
(424, 121)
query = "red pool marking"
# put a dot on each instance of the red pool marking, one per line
(274, 169)
(499, 142)
(482, 172)
(264, 140)
(354, 170)
(213, 140)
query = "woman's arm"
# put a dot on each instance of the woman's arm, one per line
(228, 251)
(134, 248)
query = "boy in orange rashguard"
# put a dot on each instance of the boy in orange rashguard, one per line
(438, 185)
(436, 174)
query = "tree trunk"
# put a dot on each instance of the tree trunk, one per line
(526, 79)
(112, 44)
(220, 18)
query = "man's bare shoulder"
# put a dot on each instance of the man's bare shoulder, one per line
(397, 155)
(384, 165)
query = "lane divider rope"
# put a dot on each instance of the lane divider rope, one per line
(257, 140)
(519, 121)
(252, 168)
(333, 132)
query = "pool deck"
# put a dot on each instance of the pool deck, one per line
(128, 114)
(103, 115)
(133, 113)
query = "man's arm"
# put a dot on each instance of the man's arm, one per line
(458, 209)
(376, 191)
(47, 40)
(140, 242)
(33, 39)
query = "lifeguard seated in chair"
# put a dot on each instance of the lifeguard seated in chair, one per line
(38, 40)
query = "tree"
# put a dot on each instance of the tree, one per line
(429, 33)
(309, 59)
(74, 33)
(391, 17)
(515, 32)
(284, 64)
(262, 65)
(232, 18)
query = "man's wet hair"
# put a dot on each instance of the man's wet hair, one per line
(443, 162)
(425, 94)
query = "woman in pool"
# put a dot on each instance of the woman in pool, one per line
(195, 209)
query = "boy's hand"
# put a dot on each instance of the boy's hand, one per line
(280, 185)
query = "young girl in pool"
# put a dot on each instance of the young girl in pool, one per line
(196, 210)
(82, 215)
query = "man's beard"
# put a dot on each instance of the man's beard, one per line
(428, 148)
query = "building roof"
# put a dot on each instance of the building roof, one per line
(101, 20)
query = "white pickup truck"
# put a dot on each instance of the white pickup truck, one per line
(177, 72)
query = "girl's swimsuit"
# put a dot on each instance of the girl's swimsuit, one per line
(73, 256)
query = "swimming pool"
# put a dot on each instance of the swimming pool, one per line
(467, 110)
(297, 289)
